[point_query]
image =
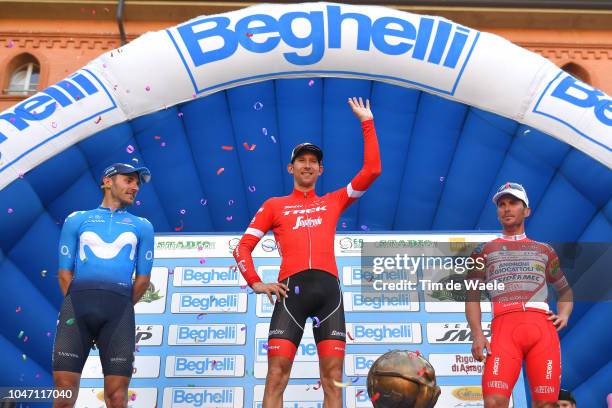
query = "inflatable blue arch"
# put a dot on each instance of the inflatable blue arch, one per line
(457, 112)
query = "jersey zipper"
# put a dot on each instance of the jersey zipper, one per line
(110, 224)
(308, 229)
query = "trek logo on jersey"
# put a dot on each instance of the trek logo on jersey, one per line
(200, 397)
(453, 333)
(570, 102)
(209, 302)
(207, 276)
(206, 334)
(359, 364)
(383, 333)
(307, 222)
(381, 302)
(82, 88)
(323, 32)
(149, 335)
(205, 366)
(306, 211)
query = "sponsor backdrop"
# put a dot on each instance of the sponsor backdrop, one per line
(202, 333)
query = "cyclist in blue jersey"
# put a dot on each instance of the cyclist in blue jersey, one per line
(100, 250)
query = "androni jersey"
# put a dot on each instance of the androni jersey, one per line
(304, 224)
(104, 247)
(524, 267)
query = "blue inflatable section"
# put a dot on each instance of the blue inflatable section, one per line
(215, 160)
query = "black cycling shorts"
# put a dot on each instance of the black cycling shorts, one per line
(319, 297)
(95, 316)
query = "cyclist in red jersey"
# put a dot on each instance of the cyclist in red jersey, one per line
(523, 326)
(304, 226)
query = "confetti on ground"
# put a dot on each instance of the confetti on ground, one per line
(258, 106)
(348, 334)
(252, 189)
(316, 321)
(70, 321)
(147, 88)
(342, 384)
(317, 385)
(249, 148)
(229, 218)
(227, 147)
(201, 316)
(296, 290)
(129, 149)
(311, 82)
(20, 335)
(203, 201)
(98, 120)
(221, 170)
(182, 211)
(180, 227)
(273, 139)
(10, 210)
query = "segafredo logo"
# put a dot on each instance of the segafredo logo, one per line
(306, 34)
(205, 366)
(206, 334)
(383, 333)
(209, 397)
(56, 108)
(578, 106)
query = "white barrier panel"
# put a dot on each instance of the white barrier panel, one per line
(212, 53)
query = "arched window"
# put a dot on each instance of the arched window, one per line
(24, 78)
(577, 71)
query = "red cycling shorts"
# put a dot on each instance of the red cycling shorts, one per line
(523, 336)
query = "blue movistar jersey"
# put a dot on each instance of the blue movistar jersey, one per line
(103, 248)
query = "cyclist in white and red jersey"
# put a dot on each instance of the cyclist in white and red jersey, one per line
(304, 226)
(523, 327)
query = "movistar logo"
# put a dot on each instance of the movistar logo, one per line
(106, 250)
(435, 41)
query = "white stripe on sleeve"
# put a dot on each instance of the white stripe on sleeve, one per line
(255, 232)
(353, 193)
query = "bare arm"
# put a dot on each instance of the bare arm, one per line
(473, 315)
(65, 278)
(565, 304)
(141, 284)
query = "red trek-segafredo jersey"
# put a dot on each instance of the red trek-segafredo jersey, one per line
(524, 267)
(304, 224)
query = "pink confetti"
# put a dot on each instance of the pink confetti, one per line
(317, 386)
(147, 88)
(163, 144)
(180, 227)
(103, 65)
(227, 147)
(316, 321)
(183, 211)
(93, 12)
(296, 290)
(129, 149)
(138, 202)
(311, 82)
(422, 371)
(375, 397)
(249, 148)
(98, 120)
(10, 44)
(221, 170)
(252, 189)
(200, 247)
(133, 396)
(265, 346)
(12, 120)
(243, 328)
(10, 210)
(348, 334)
(53, 125)
(249, 35)
(194, 96)
(25, 339)
(202, 261)
(343, 224)
(156, 137)
(360, 392)
(229, 218)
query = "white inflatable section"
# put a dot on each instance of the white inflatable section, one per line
(209, 54)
